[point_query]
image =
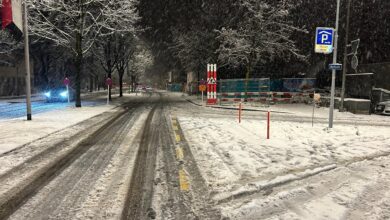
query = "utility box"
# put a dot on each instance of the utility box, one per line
(358, 106)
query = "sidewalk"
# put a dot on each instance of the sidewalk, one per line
(18, 132)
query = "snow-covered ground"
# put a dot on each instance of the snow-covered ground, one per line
(304, 110)
(246, 172)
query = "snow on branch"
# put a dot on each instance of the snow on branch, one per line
(262, 34)
(68, 23)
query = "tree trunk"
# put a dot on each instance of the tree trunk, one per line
(90, 83)
(79, 62)
(109, 90)
(121, 84)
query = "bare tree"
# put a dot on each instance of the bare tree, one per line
(77, 24)
(126, 47)
(106, 53)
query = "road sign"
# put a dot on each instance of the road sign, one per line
(11, 14)
(66, 81)
(324, 40)
(354, 47)
(211, 80)
(202, 88)
(335, 66)
(355, 62)
(109, 82)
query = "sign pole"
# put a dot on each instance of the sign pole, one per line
(67, 90)
(341, 108)
(333, 88)
(27, 63)
(202, 97)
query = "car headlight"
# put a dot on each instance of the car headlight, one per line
(64, 94)
(48, 94)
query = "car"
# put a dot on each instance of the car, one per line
(57, 95)
(140, 89)
(383, 108)
(149, 89)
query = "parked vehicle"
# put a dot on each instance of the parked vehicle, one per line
(383, 108)
(381, 101)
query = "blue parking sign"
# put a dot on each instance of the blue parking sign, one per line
(324, 40)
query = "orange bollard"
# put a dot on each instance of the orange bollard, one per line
(268, 124)
(239, 113)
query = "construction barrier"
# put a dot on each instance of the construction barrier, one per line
(212, 84)
(265, 90)
(265, 97)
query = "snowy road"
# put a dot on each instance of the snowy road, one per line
(120, 165)
(160, 157)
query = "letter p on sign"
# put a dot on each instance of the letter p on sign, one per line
(324, 38)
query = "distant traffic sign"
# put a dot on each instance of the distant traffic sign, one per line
(109, 82)
(202, 88)
(335, 66)
(324, 40)
(66, 81)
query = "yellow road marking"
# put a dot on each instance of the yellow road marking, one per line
(179, 153)
(184, 183)
(178, 139)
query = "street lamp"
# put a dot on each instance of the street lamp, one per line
(331, 109)
(27, 62)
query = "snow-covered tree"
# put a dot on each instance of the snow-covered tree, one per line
(139, 63)
(77, 24)
(261, 34)
(8, 47)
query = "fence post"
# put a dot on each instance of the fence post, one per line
(239, 112)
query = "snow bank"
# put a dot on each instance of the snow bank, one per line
(17, 132)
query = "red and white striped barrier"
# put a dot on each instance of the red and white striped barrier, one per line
(211, 84)
(265, 96)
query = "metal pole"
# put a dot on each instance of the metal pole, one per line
(268, 124)
(27, 62)
(314, 105)
(332, 94)
(345, 58)
(67, 90)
